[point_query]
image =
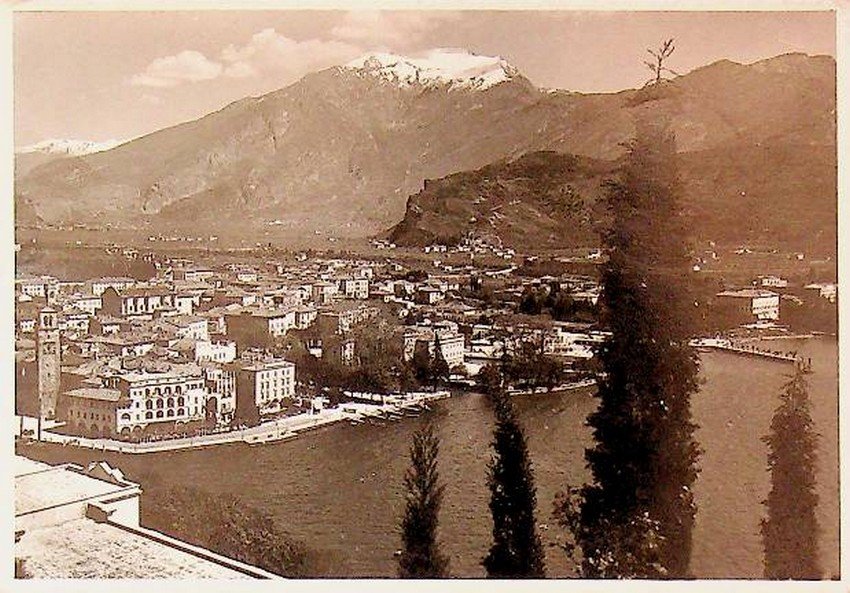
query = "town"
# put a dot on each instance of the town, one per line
(203, 353)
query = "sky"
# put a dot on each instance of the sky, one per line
(118, 75)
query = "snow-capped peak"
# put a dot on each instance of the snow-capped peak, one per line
(457, 68)
(69, 147)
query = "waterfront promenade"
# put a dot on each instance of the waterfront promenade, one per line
(266, 432)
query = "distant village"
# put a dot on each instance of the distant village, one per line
(200, 349)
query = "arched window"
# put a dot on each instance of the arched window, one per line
(168, 390)
(170, 402)
(149, 404)
(148, 415)
(125, 416)
(178, 390)
(170, 413)
(147, 390)
(180, 411)
(159, 403)
(159, 413)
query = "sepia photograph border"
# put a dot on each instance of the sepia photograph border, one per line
(7, 268)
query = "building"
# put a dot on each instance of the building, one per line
(825, 290)
(259, 327)
(323, 292)
(772, 282)
(189, 326)
(212, 351)
(93, 411)
(48, 356)
(343, 321)
(305, 316)
(44, 287)
(262, 385)
(138, 403)
(355, 288)
(748, 305)
(221, 387)
(119, 284)
(451, 342)
(83, 523)
(139, 301)
(428, 295)
(89, 304)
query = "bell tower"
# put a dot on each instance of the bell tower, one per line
(47, 357)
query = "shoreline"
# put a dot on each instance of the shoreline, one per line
(273, 431)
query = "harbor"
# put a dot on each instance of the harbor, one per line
(365, 408)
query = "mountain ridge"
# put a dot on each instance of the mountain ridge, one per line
(339, 153)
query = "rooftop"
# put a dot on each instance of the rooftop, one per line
(748, 293)
(39, 486)
(101, 394)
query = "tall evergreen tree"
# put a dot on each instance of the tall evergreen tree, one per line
(421, 556)
(635, 518)
(516, 551)
(439, 367)
(790, 531)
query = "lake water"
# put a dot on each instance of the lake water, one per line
(339, 489)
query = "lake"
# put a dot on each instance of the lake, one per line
(339, 489)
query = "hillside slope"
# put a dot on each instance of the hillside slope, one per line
(340, 151)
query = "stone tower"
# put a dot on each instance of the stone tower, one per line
(47, 356)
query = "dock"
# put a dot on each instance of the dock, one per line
(708, 344)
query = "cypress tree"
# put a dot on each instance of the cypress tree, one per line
(439, 367)
(421, 556)
(790, 531)
(516, 551)
(635, 518)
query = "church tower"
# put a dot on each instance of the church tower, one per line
(47, 357)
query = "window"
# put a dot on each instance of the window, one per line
(170, 402)
(181, 401)
(159, 413)
(125, 416)
(149, 404)
(148, 415)
(159, 403)
(170, 413)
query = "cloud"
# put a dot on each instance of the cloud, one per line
(396, 30)
(277, 60)
(283, 59)
(187, 66)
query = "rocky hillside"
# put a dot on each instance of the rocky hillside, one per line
(542, 199)
(748, 195)
(340, 151)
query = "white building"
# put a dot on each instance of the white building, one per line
(265, 384)
(355, 288)
(119, 284)
(773, 282)
(761, 304)
(221, 352)
(828, 290)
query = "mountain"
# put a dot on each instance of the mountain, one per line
(68, 147)
(540, 200)
(33, 155)
(340, 151)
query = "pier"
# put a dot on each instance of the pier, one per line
(728, 346)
